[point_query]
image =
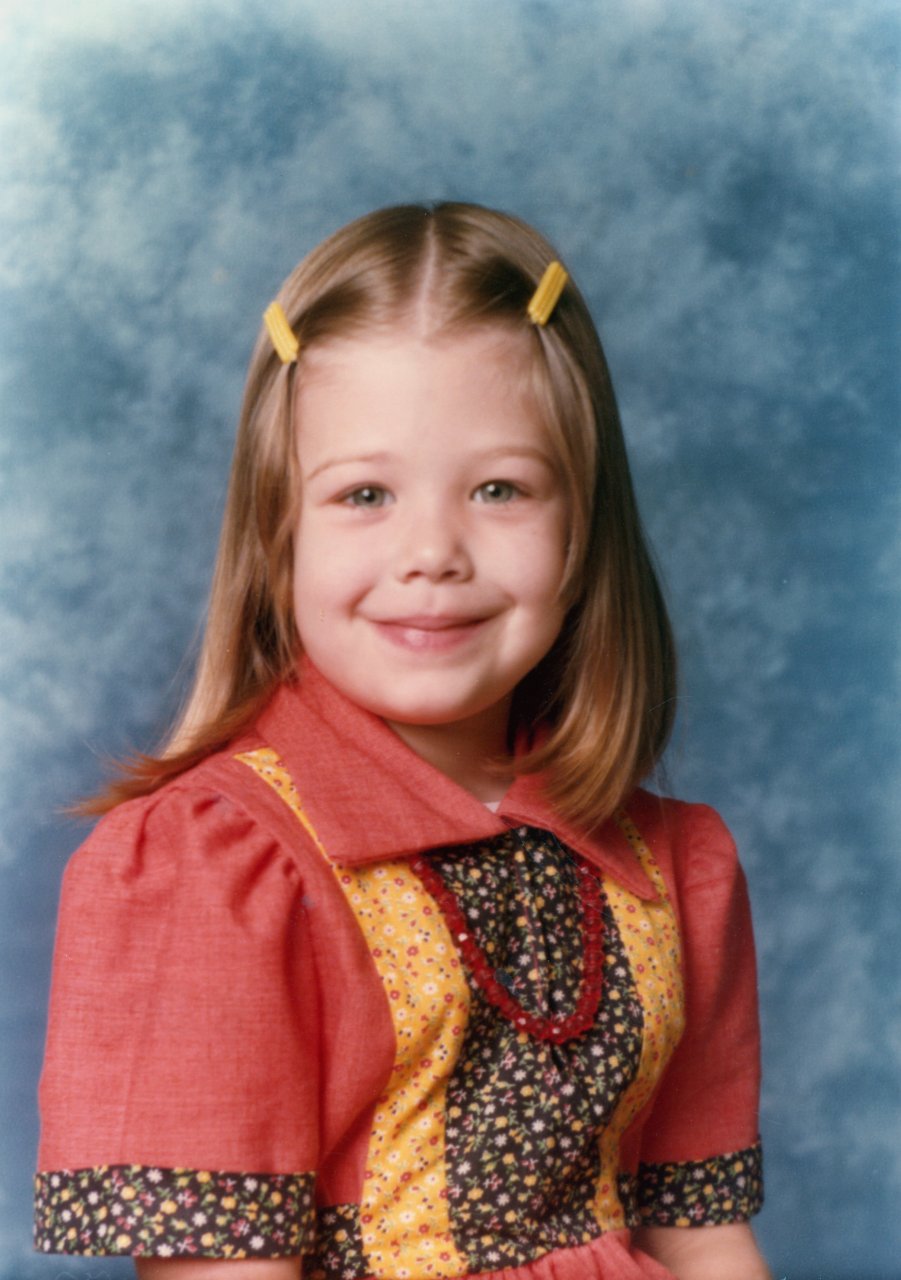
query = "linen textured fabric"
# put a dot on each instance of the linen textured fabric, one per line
(268, 1037)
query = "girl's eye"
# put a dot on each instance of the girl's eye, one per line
(496, 491)
(367, 496)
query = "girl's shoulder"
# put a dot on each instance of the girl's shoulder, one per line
(184, 987)
(690, 840)
(214, 821)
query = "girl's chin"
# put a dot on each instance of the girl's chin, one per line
(429, 717)
(438, 698)
(444, 715)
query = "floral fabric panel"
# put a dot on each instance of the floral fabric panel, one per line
(531, 991)
(402, 1224)
(173, 1213)
(497, 1142)
(710, 1192)
(524, 1114)
(650, 934)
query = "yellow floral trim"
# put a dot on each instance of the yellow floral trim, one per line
(404, 1208)
(650, 933)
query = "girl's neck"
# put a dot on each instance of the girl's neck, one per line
(467, 751)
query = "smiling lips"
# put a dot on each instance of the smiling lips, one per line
(429, 632)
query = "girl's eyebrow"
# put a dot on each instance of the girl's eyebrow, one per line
(341, 462)
(517, 451)
(483, 456)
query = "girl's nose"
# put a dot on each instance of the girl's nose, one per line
(432, 545)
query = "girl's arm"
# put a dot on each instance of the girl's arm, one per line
(705, 1253)
(215, 1269)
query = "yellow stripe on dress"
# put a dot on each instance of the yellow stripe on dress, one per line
(650, 935)
(404, 1216)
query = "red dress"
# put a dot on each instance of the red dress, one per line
(313, 998)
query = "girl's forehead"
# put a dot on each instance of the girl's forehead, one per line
(406, 344)
(472, 386)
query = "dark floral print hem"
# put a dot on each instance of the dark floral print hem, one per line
(339, 1245)
(137, 1210)
(701, 1193)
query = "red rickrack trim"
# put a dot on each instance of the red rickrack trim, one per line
(557, 1030)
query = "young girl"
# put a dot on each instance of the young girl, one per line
(386, 967)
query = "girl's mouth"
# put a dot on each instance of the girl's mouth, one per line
(433, 633)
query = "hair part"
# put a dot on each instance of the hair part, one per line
(607, 688)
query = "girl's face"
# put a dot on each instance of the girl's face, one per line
(432, 532)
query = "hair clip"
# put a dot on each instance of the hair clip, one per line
(283, 337)
(547, 295)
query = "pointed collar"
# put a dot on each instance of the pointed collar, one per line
(370, 798)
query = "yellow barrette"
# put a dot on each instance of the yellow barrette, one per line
(283, 337)
(547, 295)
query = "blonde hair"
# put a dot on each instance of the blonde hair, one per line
(607, 687)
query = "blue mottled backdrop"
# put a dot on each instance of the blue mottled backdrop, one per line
(722, 179)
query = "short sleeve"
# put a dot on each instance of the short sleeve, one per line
(180, 1083)
(700, 1160)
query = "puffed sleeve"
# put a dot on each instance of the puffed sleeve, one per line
(700, 1161)
(179, 1091)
